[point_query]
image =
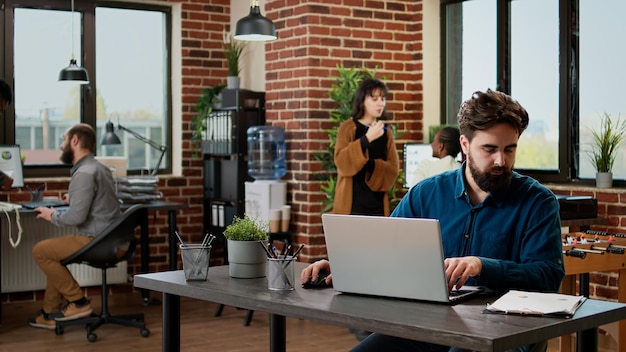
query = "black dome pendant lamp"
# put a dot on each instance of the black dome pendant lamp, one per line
(255, 27)
(73, 72)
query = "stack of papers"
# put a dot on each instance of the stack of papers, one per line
(536, 303)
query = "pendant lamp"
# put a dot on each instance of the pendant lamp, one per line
(73, 72)
(255, 27)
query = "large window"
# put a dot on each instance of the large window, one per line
(558, 58)
(125, 48)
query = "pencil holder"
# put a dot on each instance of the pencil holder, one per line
(195, 261)
(280, 273)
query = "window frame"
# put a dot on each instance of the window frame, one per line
(87, 55)
(568, 119)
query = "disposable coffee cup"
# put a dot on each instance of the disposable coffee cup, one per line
(195, 261)
(275, 215)
(281, 273)
(285, 217)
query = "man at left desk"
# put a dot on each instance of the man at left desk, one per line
(93, 205)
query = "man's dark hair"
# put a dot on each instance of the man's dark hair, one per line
(486, 109)
(367, 87)
(5, 92)
(450, 137)
(86, 135)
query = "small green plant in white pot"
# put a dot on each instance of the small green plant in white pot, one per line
(246, 257)
(606, 142)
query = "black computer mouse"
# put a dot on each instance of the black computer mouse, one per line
(319, 283)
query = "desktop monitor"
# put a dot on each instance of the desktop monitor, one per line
(11, 164)
(413, 154)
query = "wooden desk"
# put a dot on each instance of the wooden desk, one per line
(461, 325)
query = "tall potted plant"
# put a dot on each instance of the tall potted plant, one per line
(246, 257)
(233, 50)
(606, 140)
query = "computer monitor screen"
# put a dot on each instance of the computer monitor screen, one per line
(11, 164)
(413, 154)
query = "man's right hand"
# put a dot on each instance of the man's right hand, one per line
(311, 272)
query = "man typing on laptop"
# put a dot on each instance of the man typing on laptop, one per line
(499, 229)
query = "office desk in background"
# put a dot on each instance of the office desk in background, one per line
(170, 207)
(462, 325)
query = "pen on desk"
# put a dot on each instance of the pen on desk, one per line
(40, 188)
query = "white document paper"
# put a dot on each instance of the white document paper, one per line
(536, 303)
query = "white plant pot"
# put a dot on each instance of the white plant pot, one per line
(604, 179)
(232, 82)
(246, 259)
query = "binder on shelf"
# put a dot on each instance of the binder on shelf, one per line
(214, 214)
(220, 215)
(212, 178)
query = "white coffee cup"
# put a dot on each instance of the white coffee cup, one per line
(286, 217)
(275, 215)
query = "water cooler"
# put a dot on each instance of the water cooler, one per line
(266, 164)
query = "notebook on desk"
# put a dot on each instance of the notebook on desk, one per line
(389, 257)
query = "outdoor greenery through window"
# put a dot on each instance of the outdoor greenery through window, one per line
(124, 47)
(558, 61)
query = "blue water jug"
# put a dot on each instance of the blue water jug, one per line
(266, 152)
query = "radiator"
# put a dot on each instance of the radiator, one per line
(20, 273)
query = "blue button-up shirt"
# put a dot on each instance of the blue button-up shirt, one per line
(516, 233)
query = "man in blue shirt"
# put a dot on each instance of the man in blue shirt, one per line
(499, 229)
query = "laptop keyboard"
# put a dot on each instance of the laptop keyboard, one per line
(45, 203)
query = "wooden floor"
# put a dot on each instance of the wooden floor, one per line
(200, 331)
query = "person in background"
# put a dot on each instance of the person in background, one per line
(93, 205)
(499, 229)
(446, 146)
(365, 155)
(366, 158)
(6, 97)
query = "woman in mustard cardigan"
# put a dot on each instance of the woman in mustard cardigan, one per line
(365, 155)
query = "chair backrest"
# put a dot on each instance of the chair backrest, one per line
(103, 251)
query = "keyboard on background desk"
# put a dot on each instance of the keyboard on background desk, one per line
(45, 203)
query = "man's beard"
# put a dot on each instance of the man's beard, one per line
(67, 156)
(488, 182)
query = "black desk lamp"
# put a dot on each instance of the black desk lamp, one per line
(111, 138)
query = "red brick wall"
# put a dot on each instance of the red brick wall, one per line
(315, 37)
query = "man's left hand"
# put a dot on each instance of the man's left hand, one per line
(458, 270)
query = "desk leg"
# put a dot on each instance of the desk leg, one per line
(586, 340)
(171, 220)
(145, 251)
(171, 323)
(278, 333)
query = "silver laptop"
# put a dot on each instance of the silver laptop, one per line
(390, 257)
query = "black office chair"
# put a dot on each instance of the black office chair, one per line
(115, 244)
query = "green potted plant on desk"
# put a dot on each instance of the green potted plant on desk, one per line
(606, 140)
(246, 257)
